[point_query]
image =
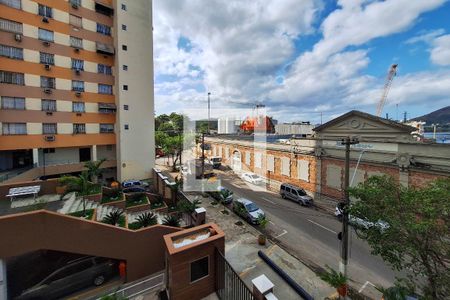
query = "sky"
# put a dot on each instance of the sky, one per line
(302, 59)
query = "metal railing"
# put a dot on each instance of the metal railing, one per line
(229, 286)
(139, 288)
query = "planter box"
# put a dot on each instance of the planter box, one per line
(60, 189)
(162, 210)
(137, 208)
(119, 204)
(96, 197)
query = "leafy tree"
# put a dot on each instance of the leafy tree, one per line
(93, 169)
(79, 184)
(418, 237)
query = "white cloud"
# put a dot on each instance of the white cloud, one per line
(426, 36)
(440, 52)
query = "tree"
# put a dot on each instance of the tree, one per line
(418, 236)
(79, 184)
(93, 169)
(173, 145)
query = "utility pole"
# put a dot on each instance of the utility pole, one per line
(209, 109)
(344, 242)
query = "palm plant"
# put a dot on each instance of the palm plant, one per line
(113, 217)
(93, 169)
(335, 279)
(79, 184)
(147, 219)
(171, 220)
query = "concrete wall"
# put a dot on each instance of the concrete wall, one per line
(135, 146)
(143, 249)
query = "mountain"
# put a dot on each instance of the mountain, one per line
(440, 116)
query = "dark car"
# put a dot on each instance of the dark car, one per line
(222, 195)
(134, 189)
(72, 277)
(131, 183)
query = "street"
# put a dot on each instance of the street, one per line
(311, 234)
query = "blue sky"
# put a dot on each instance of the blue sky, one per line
(301, 57)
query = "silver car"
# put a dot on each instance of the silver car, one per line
(295, 193)
(248, 210)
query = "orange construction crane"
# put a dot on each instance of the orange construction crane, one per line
(387, 87)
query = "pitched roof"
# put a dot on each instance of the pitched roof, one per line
(387, 122)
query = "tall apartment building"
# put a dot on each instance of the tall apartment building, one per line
(76, 84)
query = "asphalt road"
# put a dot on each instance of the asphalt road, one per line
(311, 235)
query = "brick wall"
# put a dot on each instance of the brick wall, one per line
(419, 179)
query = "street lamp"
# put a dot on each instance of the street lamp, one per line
(209, 109)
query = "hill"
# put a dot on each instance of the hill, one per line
(440, 116)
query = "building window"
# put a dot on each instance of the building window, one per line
(285, 166)
(14, 128)
(125, 106)
(303, 170)
(13, 103)
(104, 69)
(106, 128)
(103, 29)
(247, 158)
(103, 9)
(124, 47)
(124, 7)
(270, 163)
(76, 42)
(49, 128)
(12, 3)
(125, 87)
(199, 268)
(46, 58)
(76, 3)
(48, 82)
(78, 107)
(258, 160)
(45, 11)
(12, 78)
(77, 85)
(11, 26)
(48, 150)
(124, 27)
(79, 128)
(45, 35)
(125, 67)
(76, 21)
(126, 127)
(11, 52)
(77, 64)
(48, 105)
(105, 89)
(107, 108)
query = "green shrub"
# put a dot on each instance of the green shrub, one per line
(147, 219)
(115, 217)
(88, 215)
(136, 199)
(171, 220)
(111, 195)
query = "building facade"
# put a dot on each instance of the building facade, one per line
(317, 163)
(76, 84)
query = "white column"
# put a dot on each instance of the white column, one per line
(35, 158)
(94, 153)
(3, 286)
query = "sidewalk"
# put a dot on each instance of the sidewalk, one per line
(241, 250)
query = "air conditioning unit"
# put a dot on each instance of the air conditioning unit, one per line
(78, 94)
(76, 49)
(46, 43)
(18, 37)
(77, 71)
(49, 138)
(49, 113)
(47, 67)
(45, 19)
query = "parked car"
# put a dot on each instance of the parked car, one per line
(295, 193)
(216, 162)
(222, 195)
(252, 178)
(248, 210)
(72, 277)
(134, 189)
(130, 183)
(358, 222)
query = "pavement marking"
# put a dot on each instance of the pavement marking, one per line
(268, 200)
(326, 228)
(281, 234)
(365, 285)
